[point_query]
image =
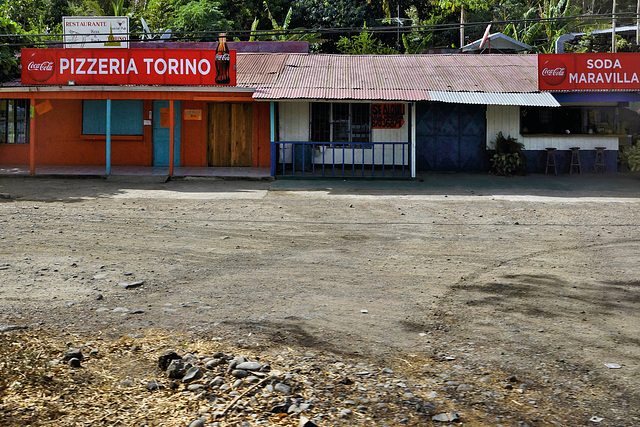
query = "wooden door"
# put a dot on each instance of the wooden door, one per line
(230, 134)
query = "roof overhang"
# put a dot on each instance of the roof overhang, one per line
(196, 93)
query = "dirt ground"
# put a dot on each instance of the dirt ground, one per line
(542, 285)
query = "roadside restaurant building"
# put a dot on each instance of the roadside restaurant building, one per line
(308, 115)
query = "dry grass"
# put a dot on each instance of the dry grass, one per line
(36, 392)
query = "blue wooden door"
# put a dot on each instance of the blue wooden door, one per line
(161, 134)
(450, 137)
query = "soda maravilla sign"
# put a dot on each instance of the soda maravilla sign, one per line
(589, 71)
(191, 67)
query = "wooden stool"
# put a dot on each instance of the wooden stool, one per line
(575, 160)
(599, 163)
(551, 160)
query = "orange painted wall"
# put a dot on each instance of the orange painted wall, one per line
(59, 141)
(193, 136)
(14, 154)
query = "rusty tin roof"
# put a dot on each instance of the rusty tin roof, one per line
(384, 77)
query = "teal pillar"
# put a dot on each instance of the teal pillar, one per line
(108, 137)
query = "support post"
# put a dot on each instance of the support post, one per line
(172, 124)
(32, 136)
(412, 111)
(272, 110)
(108, 162)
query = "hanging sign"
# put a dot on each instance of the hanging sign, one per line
(387, 116)
(193, 67)
(193, 114)
(95, 31)
(589, 71)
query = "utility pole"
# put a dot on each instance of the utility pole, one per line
(613, 28)
(462, 26)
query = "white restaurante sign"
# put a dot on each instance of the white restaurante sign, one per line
(96, 31)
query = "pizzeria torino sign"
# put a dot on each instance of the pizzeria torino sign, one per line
(193, 67)
(586, 71)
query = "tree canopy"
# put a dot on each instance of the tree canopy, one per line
(345, 26)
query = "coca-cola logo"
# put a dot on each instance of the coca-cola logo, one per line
(553, 72)
(40, 66)
(223, 57)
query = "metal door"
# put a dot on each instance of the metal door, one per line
(161, 133)
(450, 137)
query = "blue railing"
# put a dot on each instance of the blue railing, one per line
(343, 160)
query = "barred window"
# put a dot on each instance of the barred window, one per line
(14, 121)
(340, 122)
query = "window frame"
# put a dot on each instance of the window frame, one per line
(15, 125)
(342, 126)
(574, 120)
(127, 117)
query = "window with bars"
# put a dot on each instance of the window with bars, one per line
(338, 123)
(14, 121)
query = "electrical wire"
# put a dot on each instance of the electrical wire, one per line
(58, 39)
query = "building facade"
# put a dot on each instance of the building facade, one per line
(308, 115)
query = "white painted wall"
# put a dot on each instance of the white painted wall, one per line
(293, 125)
(506, 118)
(294, 121)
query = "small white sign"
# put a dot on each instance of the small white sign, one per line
(96, 31)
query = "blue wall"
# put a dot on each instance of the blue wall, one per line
(537, 160)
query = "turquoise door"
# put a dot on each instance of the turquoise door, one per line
(161, 134)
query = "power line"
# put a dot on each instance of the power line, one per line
(56, 39)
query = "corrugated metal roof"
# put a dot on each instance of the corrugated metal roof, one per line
(384, 77)
(489, 98)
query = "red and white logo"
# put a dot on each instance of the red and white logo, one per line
(40, 66)
(553, 72)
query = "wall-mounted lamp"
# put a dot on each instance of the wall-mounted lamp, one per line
(71, 82)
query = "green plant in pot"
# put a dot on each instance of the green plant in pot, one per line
(508, 159)
(631, 157)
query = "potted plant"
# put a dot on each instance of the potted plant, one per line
(508, 159)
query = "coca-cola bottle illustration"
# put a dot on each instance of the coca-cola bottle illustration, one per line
(223, 61)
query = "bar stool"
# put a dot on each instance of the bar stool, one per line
(599, 164)
(575, 160)
(551, 160)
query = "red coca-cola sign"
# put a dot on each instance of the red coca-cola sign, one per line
(589, 71)
(40, 66)
(553, 71)
(195, 67)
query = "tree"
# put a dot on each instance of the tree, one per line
(543, 34)
(363, 43)
(416, 40)
(193, 20)
(29, 14)
(463, 6)
(9, 64)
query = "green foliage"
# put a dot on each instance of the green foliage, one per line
(187, 19)
(543, 34)
(630, 157)
(281, 34)
(508, 159)
(26, 13)
(9, 64)
(197, 16)
(336, 14)
(363, 43)
(417, 40)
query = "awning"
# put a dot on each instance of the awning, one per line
(586, 97)
(538, 99)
